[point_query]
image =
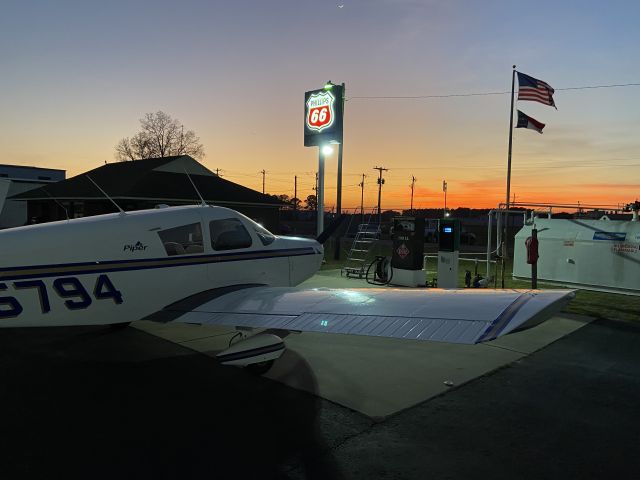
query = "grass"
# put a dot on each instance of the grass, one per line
(611, 306)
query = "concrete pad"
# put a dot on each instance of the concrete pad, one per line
(375, 376)
(333, 279)
(539, 337)
(379, 377)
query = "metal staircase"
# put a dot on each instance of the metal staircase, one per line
(367, 235)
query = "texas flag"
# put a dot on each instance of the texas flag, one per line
(525, 121)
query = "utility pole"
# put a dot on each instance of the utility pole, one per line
(263, 172)
(413, 182)
(444, 189)
(217, 172)
(295, 197)
(315, 189)
(380, 183)
(361, 185)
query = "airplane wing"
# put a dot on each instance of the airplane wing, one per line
(456, 316)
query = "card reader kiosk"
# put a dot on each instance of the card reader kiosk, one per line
(408, 252)
(448, 250)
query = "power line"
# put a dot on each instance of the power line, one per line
(612, 85)
(484, 94)
(410, 97)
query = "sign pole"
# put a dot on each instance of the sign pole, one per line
(320, 192)
(339, 195)
(504, 236)
(336, 252)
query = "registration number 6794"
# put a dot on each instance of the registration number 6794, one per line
(70, 289)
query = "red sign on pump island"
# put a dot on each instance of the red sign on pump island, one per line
(323, 116)
(320, 113)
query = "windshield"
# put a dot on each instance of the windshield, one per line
(265, 236)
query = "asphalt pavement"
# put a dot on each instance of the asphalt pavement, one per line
(99, 404)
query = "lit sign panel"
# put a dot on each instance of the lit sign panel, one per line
(323, 116)
(320, 113)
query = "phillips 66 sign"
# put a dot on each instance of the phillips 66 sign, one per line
(323, 116)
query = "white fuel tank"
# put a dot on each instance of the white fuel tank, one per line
(599, 255)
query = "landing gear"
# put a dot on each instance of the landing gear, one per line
(260, 368)
(256, 353)
(119, 326)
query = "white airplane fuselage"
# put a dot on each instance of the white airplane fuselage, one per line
(118, 268)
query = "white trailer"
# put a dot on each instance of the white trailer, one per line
(599, 255)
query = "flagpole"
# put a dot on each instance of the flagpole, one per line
(504, 236)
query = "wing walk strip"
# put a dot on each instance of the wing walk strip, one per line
(43, 271)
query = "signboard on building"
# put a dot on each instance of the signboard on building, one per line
(323, 116)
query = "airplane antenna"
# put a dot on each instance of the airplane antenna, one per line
(122, 212)
(203, 204)
(66, 213)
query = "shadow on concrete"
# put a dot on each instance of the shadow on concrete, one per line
(98, 404)
(568, 411)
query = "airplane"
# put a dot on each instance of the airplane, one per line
(210, 265)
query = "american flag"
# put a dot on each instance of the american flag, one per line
(535, 90)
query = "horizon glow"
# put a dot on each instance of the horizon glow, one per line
(77, 77)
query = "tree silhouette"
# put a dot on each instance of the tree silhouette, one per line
(311, 202)
(160, 135)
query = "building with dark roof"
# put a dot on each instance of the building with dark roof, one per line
(143, 184)
(16, 179)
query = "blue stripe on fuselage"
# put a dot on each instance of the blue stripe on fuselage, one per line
(87, 268)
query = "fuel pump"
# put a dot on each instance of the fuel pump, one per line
(448, 252)
(408, 252)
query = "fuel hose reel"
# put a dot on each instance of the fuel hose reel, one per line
(382, 271)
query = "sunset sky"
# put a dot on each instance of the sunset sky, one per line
(78, 75)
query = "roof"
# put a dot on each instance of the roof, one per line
(30, 167)
(162, 179)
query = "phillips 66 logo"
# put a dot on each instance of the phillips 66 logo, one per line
(320, 112)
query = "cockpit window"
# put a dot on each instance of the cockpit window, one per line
(229, 234)
(182, 240)
(265, 236)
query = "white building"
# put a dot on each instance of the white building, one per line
(16, 179)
